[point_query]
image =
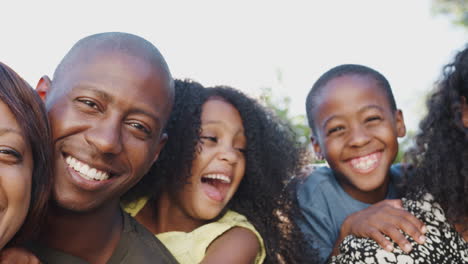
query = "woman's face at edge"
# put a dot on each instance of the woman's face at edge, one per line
(16, 168)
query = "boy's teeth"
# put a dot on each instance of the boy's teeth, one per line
(84, 169)
(220, 177)
(364, 163)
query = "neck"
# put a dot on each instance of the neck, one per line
(92, 236)
(368, 197)
(164, 215)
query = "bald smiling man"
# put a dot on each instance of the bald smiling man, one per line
(107, 103)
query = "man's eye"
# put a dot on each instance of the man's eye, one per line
(89, 103)
(140, 127)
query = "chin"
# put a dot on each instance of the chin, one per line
(209, 215)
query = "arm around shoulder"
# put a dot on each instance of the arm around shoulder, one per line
(238, 245)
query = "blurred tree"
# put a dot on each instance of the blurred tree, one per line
(280, 105)
(456, 9)
(404, 145)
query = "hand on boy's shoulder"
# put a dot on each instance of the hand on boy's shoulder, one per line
(384, 218)
(17, 255)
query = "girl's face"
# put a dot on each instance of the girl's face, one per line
(16, 167)
(219, 165)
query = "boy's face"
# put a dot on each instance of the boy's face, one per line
(107, 117)
(357, 134)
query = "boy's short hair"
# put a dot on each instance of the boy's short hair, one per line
(342, 70)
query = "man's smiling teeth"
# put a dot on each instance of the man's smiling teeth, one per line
(366, 162)
(86, 171)
(220, 177)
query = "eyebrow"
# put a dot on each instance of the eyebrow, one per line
(363, 109)
(103, 95)
(372, 106)
(209, 122)
(213, 122)
(4, 131)
(157, 119)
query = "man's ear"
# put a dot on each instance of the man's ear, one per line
(400, 123)
(43, 87)
(161, 143)
(464, 112)
(317, 149)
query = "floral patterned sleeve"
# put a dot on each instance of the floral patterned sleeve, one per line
(443, 244)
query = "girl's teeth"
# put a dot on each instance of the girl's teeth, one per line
(220, 177)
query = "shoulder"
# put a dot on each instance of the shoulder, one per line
(231, 227)
(425, 208)
(138, 245)
(399, 172)
(233, 219)
(243, 240)
(319, 191)
(441, 244)
(134, 207)
(319, 178)
(52, 256)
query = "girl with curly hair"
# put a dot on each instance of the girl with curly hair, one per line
(437, 191)
(220, 191)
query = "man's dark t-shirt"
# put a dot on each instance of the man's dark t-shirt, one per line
(136, 245)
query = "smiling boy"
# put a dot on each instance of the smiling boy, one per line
(108, 102)
(355, 125)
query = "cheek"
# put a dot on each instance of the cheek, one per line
(387, 134)
(332, 147)
(140, 154)
(16, 190)
(62, 121)
(240, 171)
(200, 161)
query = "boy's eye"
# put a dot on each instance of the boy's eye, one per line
(373, 118)
(335, 130)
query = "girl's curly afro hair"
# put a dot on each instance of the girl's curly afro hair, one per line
(265, 195)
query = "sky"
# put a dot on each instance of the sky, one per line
(250, 45)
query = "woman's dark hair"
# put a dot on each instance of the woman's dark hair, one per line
(440, 156)
(272, 156)
(27, 107)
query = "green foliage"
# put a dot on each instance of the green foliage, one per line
(457, 10)
(405, 145)
(280, 105)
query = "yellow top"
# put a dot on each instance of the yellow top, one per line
(189, 248)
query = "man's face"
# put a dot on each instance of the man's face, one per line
(107, 116)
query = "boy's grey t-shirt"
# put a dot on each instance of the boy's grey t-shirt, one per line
(325, 205)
